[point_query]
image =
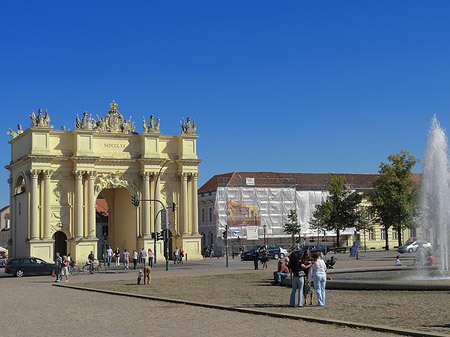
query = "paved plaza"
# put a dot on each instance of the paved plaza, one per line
(37, 308)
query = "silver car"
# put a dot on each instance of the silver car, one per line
(411, 247)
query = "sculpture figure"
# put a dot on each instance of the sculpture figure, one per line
(19, 129)
(188, 128)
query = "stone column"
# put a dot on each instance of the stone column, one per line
(158, 206)
(184, 203)
(47, 205)
(34, 209)
(194, 204)
(146, 204)
(91, 205)
(78, 212)
(151, 204)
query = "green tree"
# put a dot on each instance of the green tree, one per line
(392, 197)
(364, 223)
(292, 226)
(339, 210)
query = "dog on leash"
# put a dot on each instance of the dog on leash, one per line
(147, 275)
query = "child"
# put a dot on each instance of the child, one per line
(397, 261)
(139, 277)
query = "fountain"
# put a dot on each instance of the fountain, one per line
(435, 195)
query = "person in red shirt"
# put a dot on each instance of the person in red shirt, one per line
(283, 271)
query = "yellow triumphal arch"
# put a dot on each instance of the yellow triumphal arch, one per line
(57, 175)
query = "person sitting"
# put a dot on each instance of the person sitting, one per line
(283, 271)
(430, 259)
(397, 261)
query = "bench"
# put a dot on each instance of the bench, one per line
(340, 249)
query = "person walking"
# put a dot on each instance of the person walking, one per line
(143, 256)
(126, 259)
(265, 257)
(58, 263)
(65, 268)
(255, 256)
(135, 258)
(319, 270)
(175, 255)
(181, 254)
(150, 258)
(297, 279)
(117, 256)
(306, 265)
(109, 254)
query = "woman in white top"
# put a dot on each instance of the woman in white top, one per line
(319, 270)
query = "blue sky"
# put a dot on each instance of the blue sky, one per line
(290, 86)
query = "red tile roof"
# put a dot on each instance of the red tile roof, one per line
(282, 179)
(102, 207)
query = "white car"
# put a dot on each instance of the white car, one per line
(283, 253)
(411, 247)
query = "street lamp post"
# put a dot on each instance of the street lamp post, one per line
(154, 210)
(264, 227)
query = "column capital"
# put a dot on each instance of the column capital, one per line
(34, 173)
(78, 174)
(183, 175)
(48, 173)
(146, 175)
(91, 174)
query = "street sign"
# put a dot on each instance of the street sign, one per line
(164, 219)
(252, 233)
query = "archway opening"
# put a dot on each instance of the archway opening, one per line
(117, 222)
(60, 243)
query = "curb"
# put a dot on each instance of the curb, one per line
(379, 328)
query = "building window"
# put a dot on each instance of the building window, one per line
(383, 234)
(412, 233)
(202, 215)
(371, 234)
(394, 234)
(210, 218)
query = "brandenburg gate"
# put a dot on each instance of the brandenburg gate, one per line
(56, 177)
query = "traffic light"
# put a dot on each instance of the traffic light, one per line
(174, 207)
(224, 235)
(134, 200)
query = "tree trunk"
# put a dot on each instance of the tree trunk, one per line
(338, 241)
(386, 237)
(399, 235)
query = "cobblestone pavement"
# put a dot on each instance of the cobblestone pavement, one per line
(36, 308)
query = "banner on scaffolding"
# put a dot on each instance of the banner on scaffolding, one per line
(243, 213)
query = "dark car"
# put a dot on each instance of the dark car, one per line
(21, 266)
(314, 249)
(275, 252)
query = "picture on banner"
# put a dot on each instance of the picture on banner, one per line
(243, 213)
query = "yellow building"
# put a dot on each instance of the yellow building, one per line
(57, 175)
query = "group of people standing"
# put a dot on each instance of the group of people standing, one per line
(140, 257)
(307, 273)
(178, 255)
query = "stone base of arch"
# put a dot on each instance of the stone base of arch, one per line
(43, 249)
(192, 246)
(81, 249)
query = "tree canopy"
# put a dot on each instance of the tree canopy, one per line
(392, 197)
(292, 226)
(339, 210)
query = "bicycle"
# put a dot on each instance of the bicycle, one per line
(89, 268)
(74, 269)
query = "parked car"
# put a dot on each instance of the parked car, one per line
(314, 249)
(275, 252)
(412, 246)
(28, 266)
